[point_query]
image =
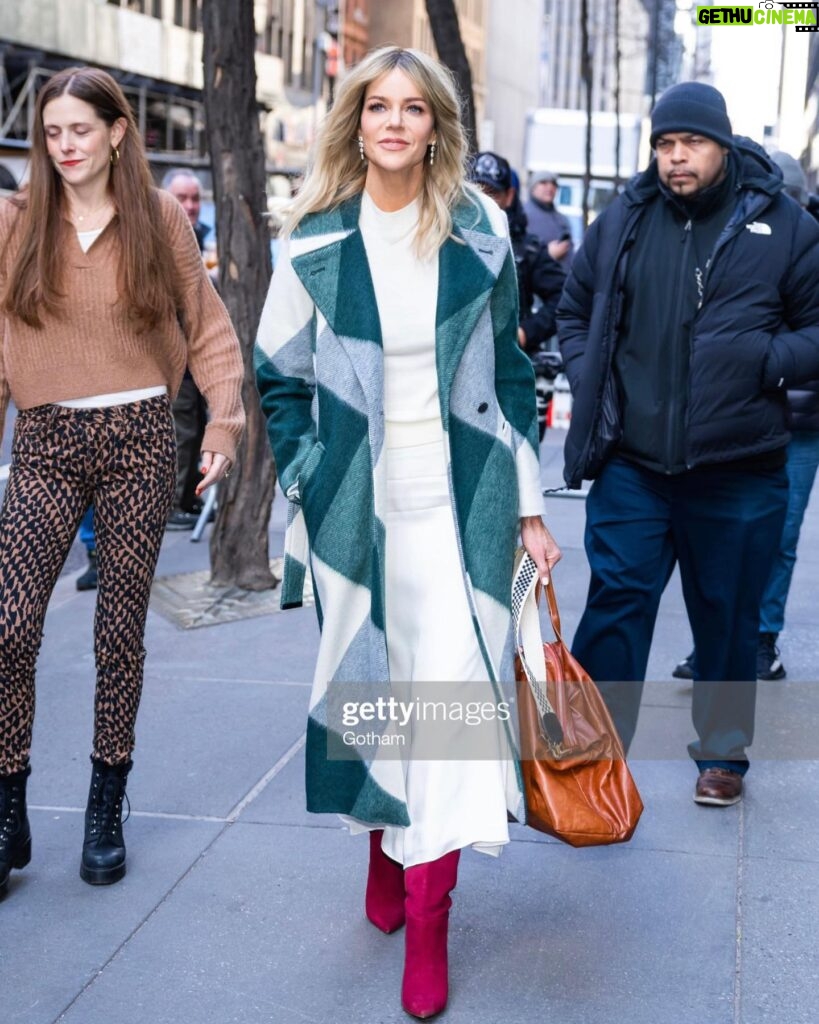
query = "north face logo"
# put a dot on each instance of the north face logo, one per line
(758, 228)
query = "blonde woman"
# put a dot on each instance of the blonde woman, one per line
(402, 414)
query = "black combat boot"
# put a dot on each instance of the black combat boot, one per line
(15, 834)
(103, 852)
(88, 580)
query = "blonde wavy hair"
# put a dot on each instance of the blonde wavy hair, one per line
(336, 171)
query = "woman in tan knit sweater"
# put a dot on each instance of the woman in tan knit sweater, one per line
(103, 301)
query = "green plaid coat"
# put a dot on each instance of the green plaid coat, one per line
(320, 374)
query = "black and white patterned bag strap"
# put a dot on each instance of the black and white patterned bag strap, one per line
(528, 637)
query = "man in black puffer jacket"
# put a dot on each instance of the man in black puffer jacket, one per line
(691, 308)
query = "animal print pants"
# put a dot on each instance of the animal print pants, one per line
(123, 459)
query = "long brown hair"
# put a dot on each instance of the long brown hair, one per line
(146, 275)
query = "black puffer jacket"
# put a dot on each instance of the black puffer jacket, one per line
(756, 334)
(538, 276)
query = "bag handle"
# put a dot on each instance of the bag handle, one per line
(529, 640)
(526, 590)
(551, 600)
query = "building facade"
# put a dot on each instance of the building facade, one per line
(665, 48)
(797, 119)
(355, 32)
(650, 54)
(154, 49)
(562, 84)
(512, 76)
(405, 23)
(812, 113)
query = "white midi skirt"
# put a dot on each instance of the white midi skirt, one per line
(452, 804)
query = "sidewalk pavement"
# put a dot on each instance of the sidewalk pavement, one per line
(239, 908)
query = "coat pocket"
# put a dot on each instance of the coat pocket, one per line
(607, 431)
(32, 433)
(309, 467)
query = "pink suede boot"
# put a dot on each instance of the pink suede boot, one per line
(424, 990)
(384, 901)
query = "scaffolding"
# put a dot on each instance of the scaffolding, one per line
(172, 126)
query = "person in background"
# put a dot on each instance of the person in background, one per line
(546, 221)
(539, 276)
(190, 414)
(404, 426)
(801, 465)
(103, 299)
(184, 186)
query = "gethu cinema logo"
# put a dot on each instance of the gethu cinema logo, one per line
(801, 15)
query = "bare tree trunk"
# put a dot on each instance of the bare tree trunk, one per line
(586, 76)
(446, 31)
(239, 554)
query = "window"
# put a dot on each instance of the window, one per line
(153, 8)
(186, 14)
(265, 40)
(131, 5)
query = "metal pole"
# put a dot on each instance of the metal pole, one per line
(207, 507)
(31, 98)
(586, 76)
(297, 45)
(3, 83)
(317, 52)
(142, 109)
(655, 48)
(341, 34)
(617, 59)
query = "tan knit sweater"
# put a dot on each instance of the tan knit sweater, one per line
(92, 348)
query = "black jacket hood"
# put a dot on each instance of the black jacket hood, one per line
(755, 171)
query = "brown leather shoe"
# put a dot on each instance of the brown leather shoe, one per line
(718, 786)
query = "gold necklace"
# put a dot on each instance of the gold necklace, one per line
(79, 218)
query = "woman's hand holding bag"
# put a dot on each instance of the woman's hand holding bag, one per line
(540, 545)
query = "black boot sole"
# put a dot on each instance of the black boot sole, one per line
(102, 876)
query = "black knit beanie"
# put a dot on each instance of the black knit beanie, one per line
(692, 107)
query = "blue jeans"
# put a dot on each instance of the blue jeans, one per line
(722, 526)
(803, 458)
(87, 530)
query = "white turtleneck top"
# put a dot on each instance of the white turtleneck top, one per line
(406, 293)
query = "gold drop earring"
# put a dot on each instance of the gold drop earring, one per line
(432, 148)
(361, 147)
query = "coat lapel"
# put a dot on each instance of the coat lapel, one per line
(333, 268)
(469, 266)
